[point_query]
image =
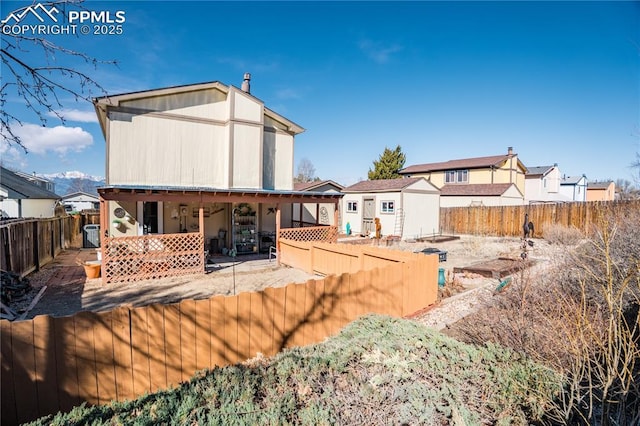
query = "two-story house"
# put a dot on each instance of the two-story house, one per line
(490, 181)
(542, 184)
(192, 164)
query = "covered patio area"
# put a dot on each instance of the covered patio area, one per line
(152, 232)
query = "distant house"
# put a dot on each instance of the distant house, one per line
(78, 201)
(20, 198)
(479, 180)
(601, 191)
(316, 213)
(574, 188)
(407, 208)
(542, 184)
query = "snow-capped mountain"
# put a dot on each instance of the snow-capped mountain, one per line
(74, 181)
(72, 175)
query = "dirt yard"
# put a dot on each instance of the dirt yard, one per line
(462, 293)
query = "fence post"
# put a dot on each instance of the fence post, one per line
(36, 245)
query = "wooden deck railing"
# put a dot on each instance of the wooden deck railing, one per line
(152, 256)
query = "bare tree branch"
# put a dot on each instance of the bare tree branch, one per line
(41, 85)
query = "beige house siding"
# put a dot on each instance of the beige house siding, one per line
(215, 137)
(511, 197)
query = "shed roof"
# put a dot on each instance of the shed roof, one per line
(80, 193)
(20, 188)
(479, 189)
(382, 185)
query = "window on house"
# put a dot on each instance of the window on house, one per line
(456, 176)
(352, 206)
(387, 207)
(544, 183)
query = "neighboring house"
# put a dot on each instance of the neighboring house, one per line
(206, 160)
(313, 214)
(542, 184)
(21, 198)
(475, 178)
(78, 201)
(574, 188)
(39, 181)
(407, 208)
(601, 191)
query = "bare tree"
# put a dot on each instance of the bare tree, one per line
(41, 83)
(306, 171)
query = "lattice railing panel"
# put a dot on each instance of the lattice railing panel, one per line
(317, 233)
(152, 256)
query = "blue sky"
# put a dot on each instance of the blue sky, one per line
(559, 82)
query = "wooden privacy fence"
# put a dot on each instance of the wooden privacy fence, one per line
(51, 364)
(327, 259)
(508, 220)
(31, 243)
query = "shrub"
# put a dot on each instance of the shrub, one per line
(560, 234)
(378, 370)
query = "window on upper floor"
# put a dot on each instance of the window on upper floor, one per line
(352, 206)
(387, 207)
(456, 176)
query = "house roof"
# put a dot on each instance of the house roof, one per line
(599, 185)
(382, 185)
(80, 193)
(482, 189)
(465, 163)
(20, 188)
(538, 170)
(572, 180)
(102, 103)
(308, 186)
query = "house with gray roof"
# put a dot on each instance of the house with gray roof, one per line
(406, 207)
(574, 188)
(542, 184)
(20, 198)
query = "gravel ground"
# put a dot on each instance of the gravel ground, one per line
(462, 294)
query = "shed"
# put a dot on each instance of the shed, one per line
(406, 207)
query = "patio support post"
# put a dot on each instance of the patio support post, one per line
(103, 233)
(277, 234)
(336, 215)
(300, 216)
(317, 213)
(201, 231)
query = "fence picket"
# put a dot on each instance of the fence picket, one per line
(45, 363)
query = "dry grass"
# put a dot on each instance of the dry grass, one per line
(564, 235)
(581, 318)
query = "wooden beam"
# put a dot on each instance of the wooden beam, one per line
(277, 234)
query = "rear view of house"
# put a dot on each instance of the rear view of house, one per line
(204, 166)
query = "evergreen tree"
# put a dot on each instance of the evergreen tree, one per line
(388, 165)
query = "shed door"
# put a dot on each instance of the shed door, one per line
(368, 214)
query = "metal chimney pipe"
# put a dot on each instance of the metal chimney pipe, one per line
(246, 84)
